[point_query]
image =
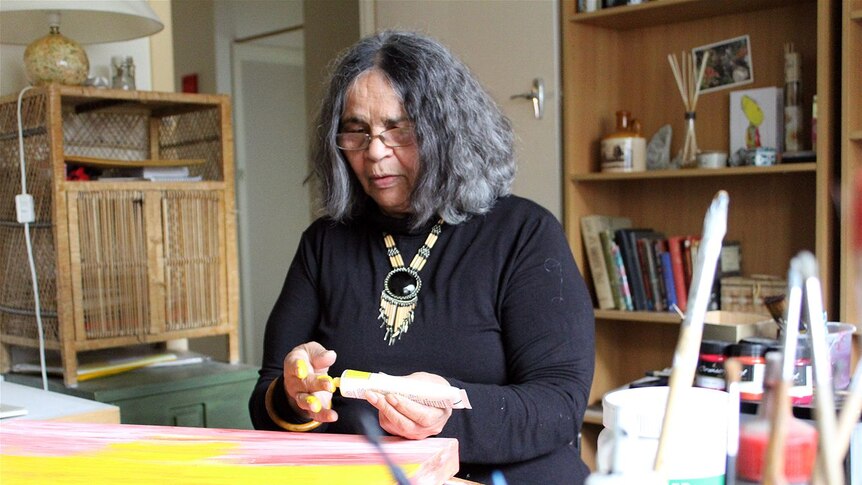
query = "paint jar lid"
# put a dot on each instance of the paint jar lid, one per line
(800, 450)
(714, 347)
(803, 350)
(648, 406)
(747, 349)
(768, 342)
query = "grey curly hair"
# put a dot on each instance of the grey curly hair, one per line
(465, 142)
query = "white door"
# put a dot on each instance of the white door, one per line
(271, 163)
(507, 44)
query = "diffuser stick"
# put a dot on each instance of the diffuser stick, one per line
(691, 329)
(688, 77)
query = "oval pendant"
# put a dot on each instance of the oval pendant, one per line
(402, 285)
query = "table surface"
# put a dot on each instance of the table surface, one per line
(51, 452)
(48, 405)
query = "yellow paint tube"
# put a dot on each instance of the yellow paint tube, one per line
(355, 384)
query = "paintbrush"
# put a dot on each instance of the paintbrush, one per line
(732, 374)
(373, 434)
(691, 329)
(829, 463)
(851, 408)
(781, 413)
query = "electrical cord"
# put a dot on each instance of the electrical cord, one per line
(25, 209)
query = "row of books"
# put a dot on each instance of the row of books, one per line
(640, 269)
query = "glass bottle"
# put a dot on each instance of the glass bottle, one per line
(124, 73)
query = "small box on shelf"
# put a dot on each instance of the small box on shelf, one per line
(732, 327)
(747, 293)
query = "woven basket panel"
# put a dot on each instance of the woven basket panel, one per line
(746, 294)
(105, 134)
(195, 135)
(36, 156)
(17, 305)
(115, 295)
(192, 259)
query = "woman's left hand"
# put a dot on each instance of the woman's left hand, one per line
(400, 416)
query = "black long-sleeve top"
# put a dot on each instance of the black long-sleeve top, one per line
(503, 313)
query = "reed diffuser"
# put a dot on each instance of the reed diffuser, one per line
(688, 78)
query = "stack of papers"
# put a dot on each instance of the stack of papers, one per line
(168, 174)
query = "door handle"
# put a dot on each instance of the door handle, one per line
(537, 96)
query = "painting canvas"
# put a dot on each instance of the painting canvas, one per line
(728, 65)
(82, 453)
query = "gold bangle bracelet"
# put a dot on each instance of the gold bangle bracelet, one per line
(277, 419)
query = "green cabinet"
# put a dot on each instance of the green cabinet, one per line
(207, 395)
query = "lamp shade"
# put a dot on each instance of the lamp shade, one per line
(85, 21)
(58, 57)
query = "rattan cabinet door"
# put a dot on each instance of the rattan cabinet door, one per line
(147, 263)
(193, 262)
(109, 263)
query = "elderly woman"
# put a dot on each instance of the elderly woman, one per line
(412, 156)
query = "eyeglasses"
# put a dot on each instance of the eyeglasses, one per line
(393, 138)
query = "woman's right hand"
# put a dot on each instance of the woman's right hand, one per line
(307, 383)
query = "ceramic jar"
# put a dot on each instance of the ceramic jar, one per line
(624, 150)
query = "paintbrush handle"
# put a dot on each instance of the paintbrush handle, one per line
(850, 411)
(691, 329)
(828, 460)
(780, 416)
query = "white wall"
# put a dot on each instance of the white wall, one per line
(13, 78)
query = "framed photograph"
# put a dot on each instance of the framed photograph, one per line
(729, 64)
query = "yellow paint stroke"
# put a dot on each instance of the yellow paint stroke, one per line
(143, 462)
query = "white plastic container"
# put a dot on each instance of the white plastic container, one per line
(697, 455)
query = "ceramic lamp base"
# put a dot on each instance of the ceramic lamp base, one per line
(55, 58)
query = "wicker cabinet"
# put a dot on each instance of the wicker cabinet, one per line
(119, 261)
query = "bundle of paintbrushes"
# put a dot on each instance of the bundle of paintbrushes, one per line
(688, 78)
(833, 435)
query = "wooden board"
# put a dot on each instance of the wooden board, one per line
(57, 453)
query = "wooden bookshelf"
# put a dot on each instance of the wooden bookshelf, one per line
(615, 59)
